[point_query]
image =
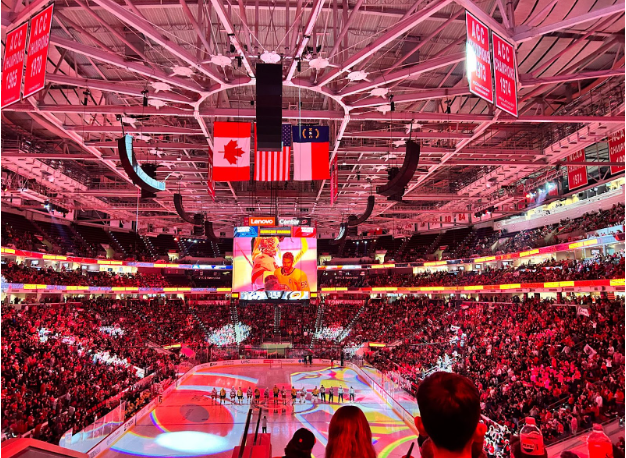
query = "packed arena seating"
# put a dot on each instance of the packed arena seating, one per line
(85, 240)
(532, 358)
(18, 232)
(260, 317)
(570, 361)
(297, 323)
(486, 241)
(59, 368)
(611, 266)
(20, 273)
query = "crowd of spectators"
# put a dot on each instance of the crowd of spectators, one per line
(599, 267)
(25, 240)
(594, 221)
(21, 273)
(60, 368)
(532, 358)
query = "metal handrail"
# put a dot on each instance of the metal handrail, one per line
(244, 436)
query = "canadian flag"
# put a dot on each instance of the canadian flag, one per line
(231, 152)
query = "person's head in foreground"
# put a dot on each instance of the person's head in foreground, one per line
(300, 445)
(449, 414)
(349, 435)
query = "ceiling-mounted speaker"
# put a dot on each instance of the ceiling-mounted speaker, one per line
(150, 170)
(209, 233)
(355, 221)
(145, 179)
(343, 232)
(397, 184)
(178, 205)
(269, 107)
(198, 219)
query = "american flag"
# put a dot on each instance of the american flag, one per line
(273, 165)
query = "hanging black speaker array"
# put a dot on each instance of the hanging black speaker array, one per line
(144, 177)
(343, 233)
(269, 106)
(209, 233)
(356, 220)
(394, 189)
(187, 217)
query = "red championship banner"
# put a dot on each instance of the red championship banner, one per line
(334, 181)
(505, 72)
(616, 151)
(576, 175)
(38, 43)
(478, 58)
(13, 64)
(461, 217)
(210, 182)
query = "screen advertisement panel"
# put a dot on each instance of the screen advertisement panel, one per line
(273, 263)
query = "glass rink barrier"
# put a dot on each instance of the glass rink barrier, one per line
(93, 434)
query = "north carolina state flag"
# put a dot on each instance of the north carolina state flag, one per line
(231, 152)
(311, 153)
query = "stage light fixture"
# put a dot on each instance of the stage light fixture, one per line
(86, 93)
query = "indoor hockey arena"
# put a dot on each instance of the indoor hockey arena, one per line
(313, 228)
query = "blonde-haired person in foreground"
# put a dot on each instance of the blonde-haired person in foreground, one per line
(349, 435)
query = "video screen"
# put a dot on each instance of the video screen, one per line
(274, 263)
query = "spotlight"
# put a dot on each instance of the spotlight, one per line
(86, 93)
(299, 66)
(239, 61)
(145, 97)
(251, 103)
(46, 205)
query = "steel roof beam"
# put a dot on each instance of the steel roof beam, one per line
(485, 18)
(525, 33)
(118, 61)
(414, 70)
(170, 130)
(345, 28)
(119, 87)
(427, 94)
(151, 145)
(402, 135)
(218, 6)
(143, 26)
(529, 81)
(386, 38)
(315, 12)
(323, 115)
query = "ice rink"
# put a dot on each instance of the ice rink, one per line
(189, 424)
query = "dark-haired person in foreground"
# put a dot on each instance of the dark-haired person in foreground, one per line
(450, 417)
(301, 444)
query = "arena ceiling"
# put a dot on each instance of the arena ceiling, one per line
(571, 93)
